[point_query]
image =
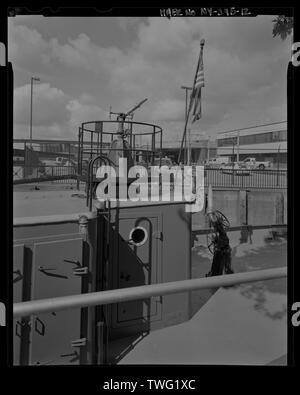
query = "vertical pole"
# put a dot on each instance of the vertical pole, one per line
(78, 160)
(190, 147)
(232, 177)
(185, 159)
(31, 96)
(31, 83)
(185, 149)
(25, 161)
(208, 148)
(186, 99)
(101, 137)
(238, 147)
(98, 136)
(130, 137)
(160, 147)
(92, 144)
(278, 165)
(154, 142)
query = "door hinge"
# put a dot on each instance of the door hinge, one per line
(80, 271)
(79, 342)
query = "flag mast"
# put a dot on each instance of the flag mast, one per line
(202, 42)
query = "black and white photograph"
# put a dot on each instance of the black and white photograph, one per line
(149, 177)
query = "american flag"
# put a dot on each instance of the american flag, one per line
(196, 93)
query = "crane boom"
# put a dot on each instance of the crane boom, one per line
(134, 108)
(123, 116)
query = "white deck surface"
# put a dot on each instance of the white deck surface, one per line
(34, 203)
(227, 330)
(43, 202)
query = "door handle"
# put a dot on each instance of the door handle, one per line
(74, 261)
(46, 269)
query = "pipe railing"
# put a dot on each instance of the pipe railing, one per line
(141, 292)
(198, 230)
(51, 219)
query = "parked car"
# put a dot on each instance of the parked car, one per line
(235, 167)
(252, 163)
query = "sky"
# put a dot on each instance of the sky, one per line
(87, 65)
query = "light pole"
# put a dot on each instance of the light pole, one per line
(238, 146)
(187, 88)
(31, 95)
(208, 148)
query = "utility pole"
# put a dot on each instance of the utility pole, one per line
(208, 148)
(31, 95)
(187, 88)
(278, 153)
(189, 147)
(238, 147)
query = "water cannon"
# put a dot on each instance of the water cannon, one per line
(128, 115)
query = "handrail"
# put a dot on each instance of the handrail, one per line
(198, 230)
(44, 179)
(145, 291)
(51, 219)
(114, 121)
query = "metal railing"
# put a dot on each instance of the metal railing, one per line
(24, 309)
(246, 178)
(53, 173)
(217, 177)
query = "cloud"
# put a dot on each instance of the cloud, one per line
(27, 48)
(128, 23)
(82, 53)
(55, 114)
(82, 111)
(245, 69)
(48, 104)
(167, 110)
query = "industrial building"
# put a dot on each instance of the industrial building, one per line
(268, 145)
(198, 151)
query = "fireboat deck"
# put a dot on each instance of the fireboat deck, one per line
(221, 332)
(216, 335)
(29, 202)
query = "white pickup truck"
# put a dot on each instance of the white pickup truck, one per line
(219, 161)
(252, 163)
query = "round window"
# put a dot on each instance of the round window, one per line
(138, 236)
